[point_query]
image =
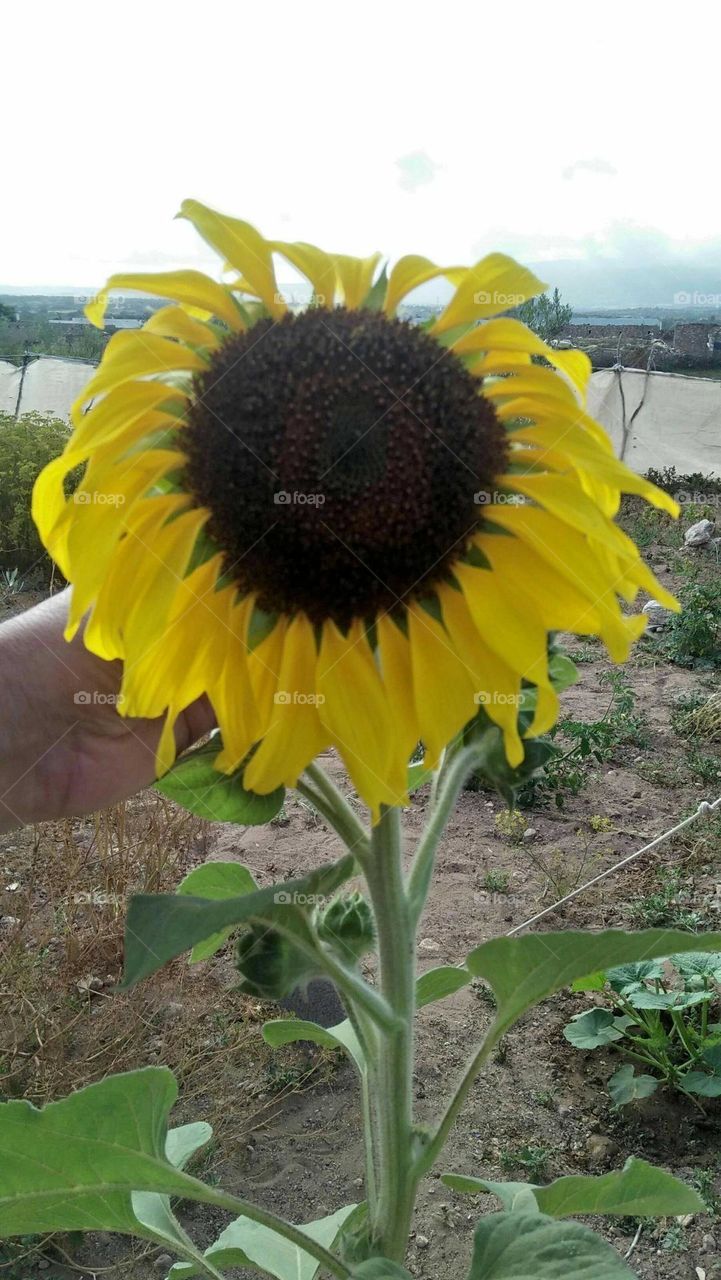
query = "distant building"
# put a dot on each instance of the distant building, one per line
(696, 338)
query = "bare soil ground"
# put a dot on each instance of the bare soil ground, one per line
(286, 1122)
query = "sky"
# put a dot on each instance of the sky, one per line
(448, 129)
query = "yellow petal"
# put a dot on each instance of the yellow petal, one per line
(505, 623)
(442, 686)
(86, 538)
(496, 283)
(564, 445)
(356, 713)
(134, 631)
(497, 686)
(232, 694)
(264, 664)
(513, 336)
(117, 411)
(241, 245)
(411, 271)
(190, 287)
(175, 322)
(295, 734)
(397, 674)
(135, 354)
(318, 267)
(355, 277)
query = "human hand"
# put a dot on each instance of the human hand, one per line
(64, 749)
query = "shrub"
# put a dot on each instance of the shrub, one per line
(26, 445)
(695, 634)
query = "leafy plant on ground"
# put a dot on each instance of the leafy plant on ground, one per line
(694, 636)
(511, 825)
(660, 1015)
(565, 869)
(566, 770)
(698, 717)
(670, 904)
(27, 444)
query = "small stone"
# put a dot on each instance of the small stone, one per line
(86, 985)
(600, 1149)
(7, 923)
(422, 1242)
(700, 533)
(357, 1182)
(529, 834)
(658, 616)
(708, 1243)
(163, 1262)
(172, 1011)
(43, 1265)
(427, 944)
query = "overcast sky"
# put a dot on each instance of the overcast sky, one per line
(445, 129)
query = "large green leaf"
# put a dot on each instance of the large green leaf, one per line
(151, 1209)
(523, 971)
(162, 926)
(626, 1086)
(437, 983)
(290, 1030)
(705, 1086)
(516, 1246)
(216, 880)
(80, 1163)
(250, 1244)
(637, 1189)
(196, 785)
(593, 1028)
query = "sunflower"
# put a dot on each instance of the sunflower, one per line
(345, 529)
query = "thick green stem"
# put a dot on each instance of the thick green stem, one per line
(455, 773)
(393, 1210)
(324, 795)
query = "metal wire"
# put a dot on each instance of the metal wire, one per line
(704, 809)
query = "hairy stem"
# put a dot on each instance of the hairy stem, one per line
(455, 773)
(396, 949)
(324, 795)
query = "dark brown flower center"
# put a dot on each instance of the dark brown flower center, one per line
(341, 455)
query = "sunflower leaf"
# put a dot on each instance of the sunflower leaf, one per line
(523, 971)
(251, 1244)
(291, 1030)
(162, 926)
(437, 983)
(216, 880)
(136, 1164)
(638, 1188)
(520, 1246)
(196, 785)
